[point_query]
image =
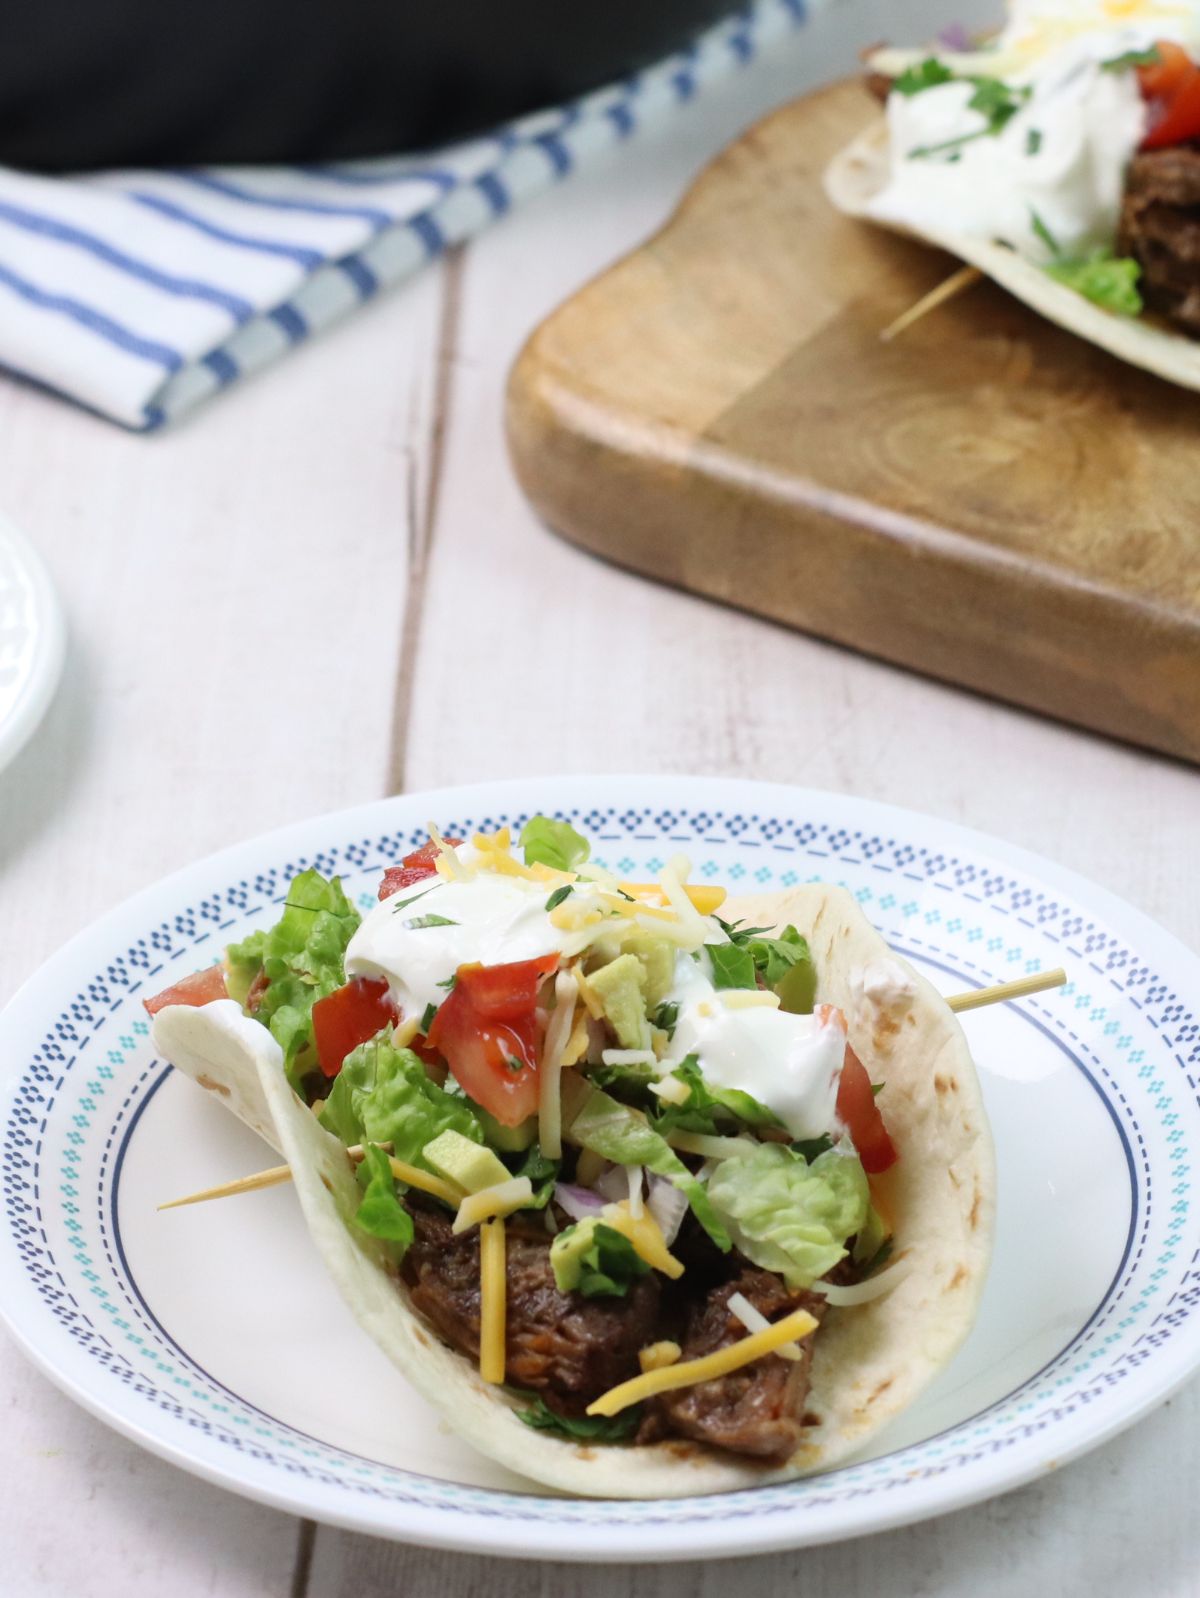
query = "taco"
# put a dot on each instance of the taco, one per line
(1058, 156)
(646, 1200)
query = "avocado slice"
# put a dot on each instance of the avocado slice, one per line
(471, 1165)
(621, 988)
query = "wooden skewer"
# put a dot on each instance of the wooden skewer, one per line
(251, 1184)
(1039, 982)
(1020, 989)
(966, 277)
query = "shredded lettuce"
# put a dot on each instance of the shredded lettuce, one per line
(772, 958)
(553, 843)
(623, 1135)
(384, 1095)
(381, 1213)
(708, 1109)
(788, 1216)
(732, 966)
(302, 957)
(1108, 280)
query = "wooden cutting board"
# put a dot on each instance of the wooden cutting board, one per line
(986, 499)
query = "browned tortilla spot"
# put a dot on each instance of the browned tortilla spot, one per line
(880, 1390)
(940, 1084)
(213, 1087)
(326, 1183)
(973, 1218)
(957, 1280)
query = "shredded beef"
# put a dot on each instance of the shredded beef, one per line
(567, 1348)
(1160, 228)
(757, 1410)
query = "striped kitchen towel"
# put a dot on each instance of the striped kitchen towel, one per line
(141, 293)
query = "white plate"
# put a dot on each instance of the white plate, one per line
(211, 1335)
(32, 640)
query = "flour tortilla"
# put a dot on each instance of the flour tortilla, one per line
(856, 175)
(869, 1362)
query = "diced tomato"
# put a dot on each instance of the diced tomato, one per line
(202, 987)
(350, 1016)
(495, 1061)
(1171, 86)
(506, 992)
(415, 867)
(857, 1108)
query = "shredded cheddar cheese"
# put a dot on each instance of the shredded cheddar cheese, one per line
(550, 1072)
(492, 1301)
(749, 999)
(589, 996)
(577, 1043)
(670, 1090)
(438, 1186)
(705, 900)
(656, 1355)
(709, 1147)
(687, 1372)
(755, 1321)
(644, 1232)
(405, 1031)
(502, 1199)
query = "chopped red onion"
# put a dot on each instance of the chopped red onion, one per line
(614, 1184)
(579, 1202)
(667, 1205)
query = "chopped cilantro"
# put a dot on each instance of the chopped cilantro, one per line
(448, 984)
(1033, 141)
(418, 923)
(1043, 232)
(927, 74)
(996, 101)
(401, 904)
(665, 1018)
(559, 894)
(581, 1428)
(427, 1018)
(1131, 59)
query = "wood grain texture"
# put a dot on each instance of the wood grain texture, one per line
(987, 499)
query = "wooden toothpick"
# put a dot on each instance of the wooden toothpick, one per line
(957, 283)
(1039, 982)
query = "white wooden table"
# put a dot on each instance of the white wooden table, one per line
(326, 587)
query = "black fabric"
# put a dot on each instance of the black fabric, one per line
(87, 83)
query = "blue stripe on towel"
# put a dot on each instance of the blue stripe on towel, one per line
(279, 202)
(95, 321)
(50, 227)
(292, 323)
(309, 259)
(223, 366)
(289, 248)
(361, 275)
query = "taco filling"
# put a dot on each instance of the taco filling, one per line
(1072, 137)
(616, 1152)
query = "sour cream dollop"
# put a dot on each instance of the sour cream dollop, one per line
(792, 1064)
(488, 918)
(1049, 182)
